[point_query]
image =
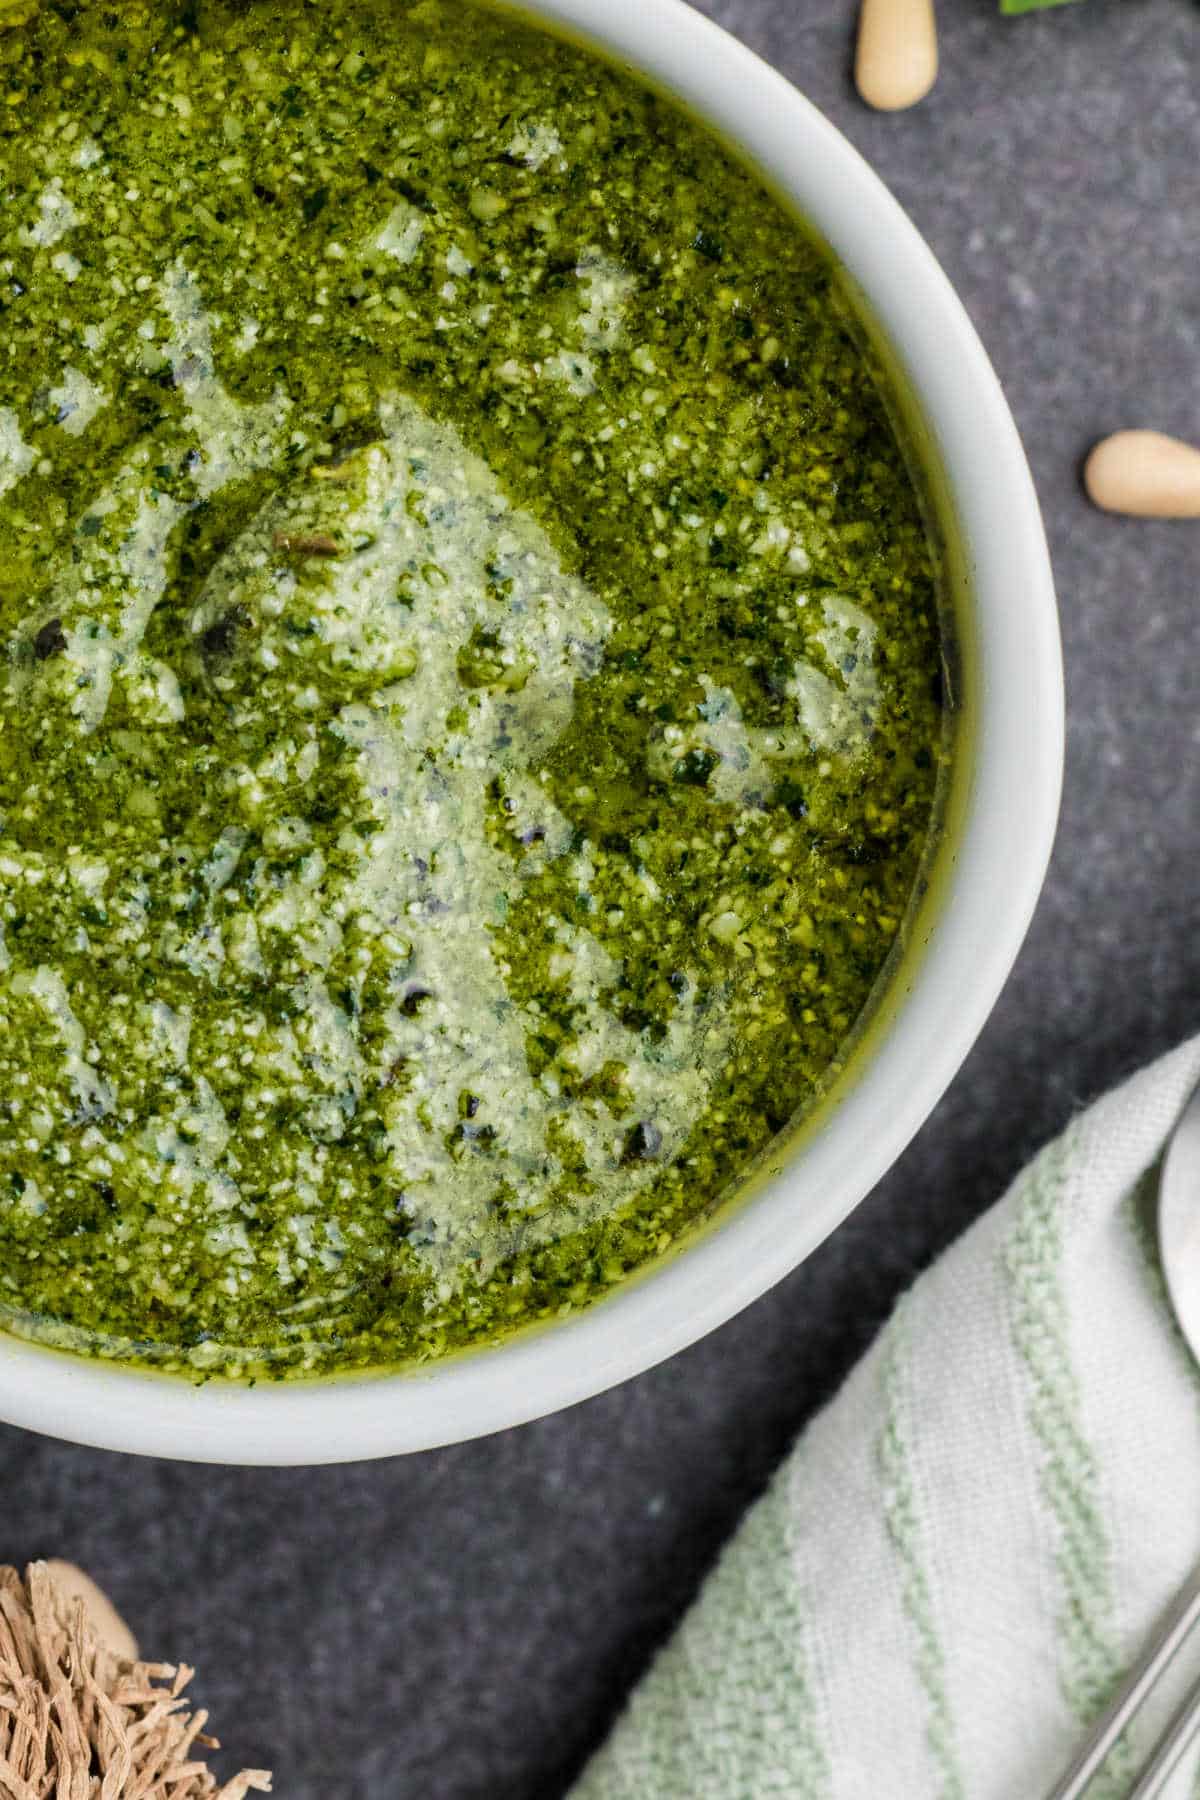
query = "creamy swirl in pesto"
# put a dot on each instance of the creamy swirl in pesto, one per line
(470, 701)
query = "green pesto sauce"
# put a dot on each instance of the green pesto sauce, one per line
(471, 712)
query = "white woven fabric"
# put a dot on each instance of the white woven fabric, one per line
(968, 1547)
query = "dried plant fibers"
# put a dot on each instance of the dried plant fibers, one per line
(81, 1721)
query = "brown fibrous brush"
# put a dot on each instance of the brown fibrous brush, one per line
(82, 1717)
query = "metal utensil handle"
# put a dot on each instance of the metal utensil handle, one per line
(1170, 1748)
(1158, 1655)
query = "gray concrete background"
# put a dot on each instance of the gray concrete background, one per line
(463, 1625)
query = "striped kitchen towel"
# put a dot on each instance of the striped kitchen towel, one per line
(968, 1547)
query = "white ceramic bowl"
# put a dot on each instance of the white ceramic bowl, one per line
(1006, 803)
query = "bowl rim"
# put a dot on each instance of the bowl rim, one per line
(997, 859)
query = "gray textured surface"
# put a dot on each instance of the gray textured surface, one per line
(463, 1625)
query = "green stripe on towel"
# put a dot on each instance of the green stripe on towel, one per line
(727, 1710)
(1089, 1661)
(907, 1537)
